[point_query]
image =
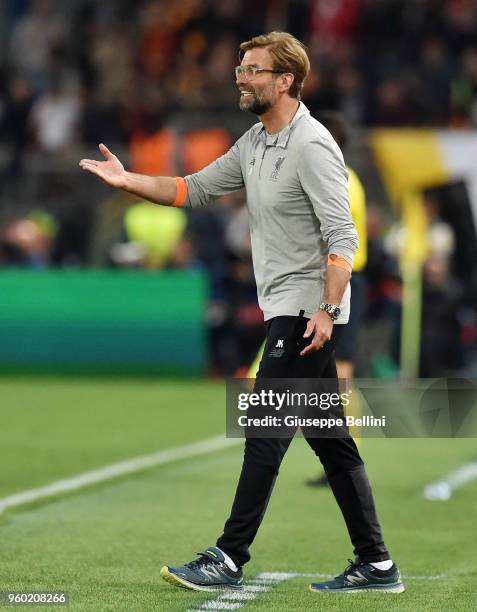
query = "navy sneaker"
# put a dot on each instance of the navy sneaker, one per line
(208, 573)
(360, 576)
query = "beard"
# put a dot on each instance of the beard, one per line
(255, 104)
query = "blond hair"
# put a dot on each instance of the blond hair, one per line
(288, 54)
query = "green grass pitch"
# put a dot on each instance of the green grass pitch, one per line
(105, 544)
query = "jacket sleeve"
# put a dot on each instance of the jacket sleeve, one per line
(324, 179)
(222, 176)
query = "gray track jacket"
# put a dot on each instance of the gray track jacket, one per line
(297, 198)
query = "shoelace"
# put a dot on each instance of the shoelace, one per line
(351, 567)
(203, 559)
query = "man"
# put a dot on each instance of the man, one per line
(303, 242)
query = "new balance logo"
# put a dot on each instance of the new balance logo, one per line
(251, 165)
(211, 572)
(279, 344)
(356, 578)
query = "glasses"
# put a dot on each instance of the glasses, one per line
(250, 72)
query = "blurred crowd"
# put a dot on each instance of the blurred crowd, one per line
(80, 70)
(77, 72)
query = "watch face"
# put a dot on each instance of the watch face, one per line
(333, 311)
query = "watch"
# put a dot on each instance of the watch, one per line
(333, 311)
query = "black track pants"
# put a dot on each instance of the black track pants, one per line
(339, 456)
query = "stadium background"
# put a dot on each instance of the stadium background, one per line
(104, 291)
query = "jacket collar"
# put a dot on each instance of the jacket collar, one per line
(281, 139)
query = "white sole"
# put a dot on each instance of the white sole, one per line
(185, 584)
(398, 588)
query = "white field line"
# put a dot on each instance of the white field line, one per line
(234, 600)
(122, 468)
(263, 583)
(442, 489)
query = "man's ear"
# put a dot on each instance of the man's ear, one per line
(286, 81)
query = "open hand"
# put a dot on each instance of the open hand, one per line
(321, 327)
(110, 171)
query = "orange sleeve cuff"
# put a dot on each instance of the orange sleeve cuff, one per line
(181, 194)
(340, 262)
